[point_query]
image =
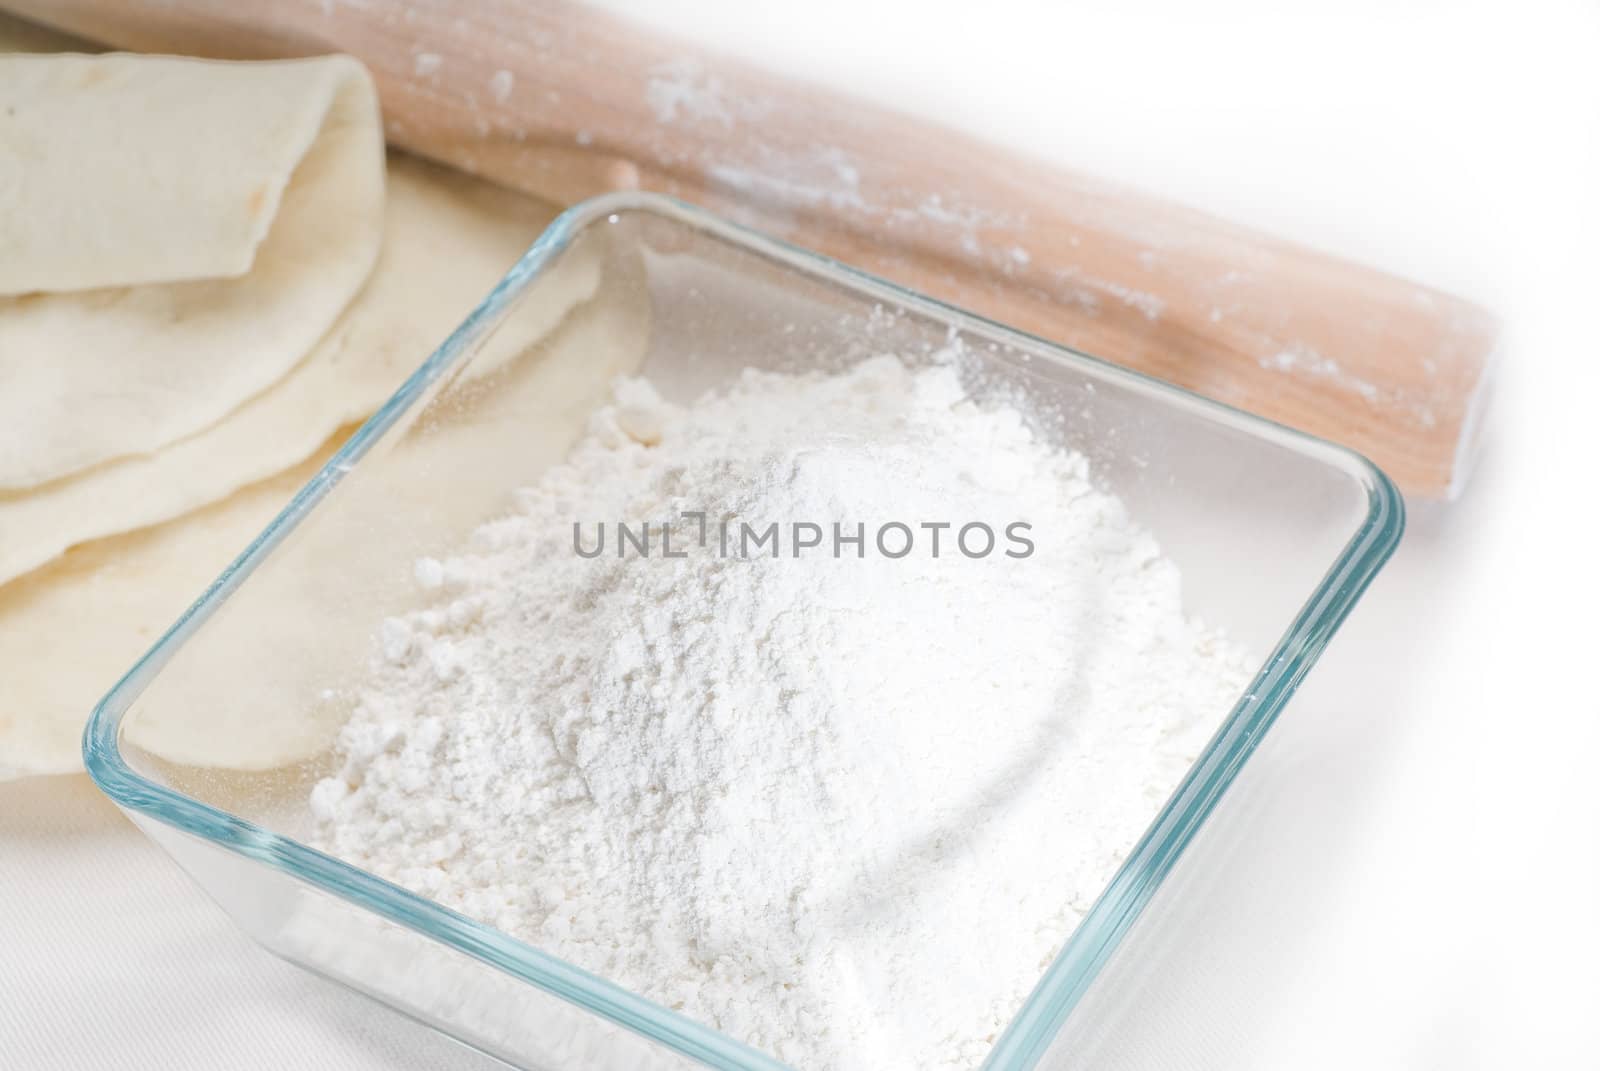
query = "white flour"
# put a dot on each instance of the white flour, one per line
(843, 809)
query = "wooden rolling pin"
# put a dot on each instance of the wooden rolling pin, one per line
(564, 102)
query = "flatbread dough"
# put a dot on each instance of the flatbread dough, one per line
(68, 631)
(448, 239)
(280, 164)
(124, 170)
(254, 688)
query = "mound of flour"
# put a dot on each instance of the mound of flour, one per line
(844, 808)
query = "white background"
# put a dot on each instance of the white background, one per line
(1406, 875)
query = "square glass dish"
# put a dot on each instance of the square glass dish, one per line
(1276, 535)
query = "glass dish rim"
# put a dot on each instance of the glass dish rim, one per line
(1117, 906)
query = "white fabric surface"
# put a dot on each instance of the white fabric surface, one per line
(110, 956)
(1405, 877)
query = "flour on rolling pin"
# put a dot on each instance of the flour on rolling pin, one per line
(563, 101)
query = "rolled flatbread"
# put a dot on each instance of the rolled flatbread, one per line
(177, 234)
(447, 240)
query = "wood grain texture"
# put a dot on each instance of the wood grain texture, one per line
(565, 102)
